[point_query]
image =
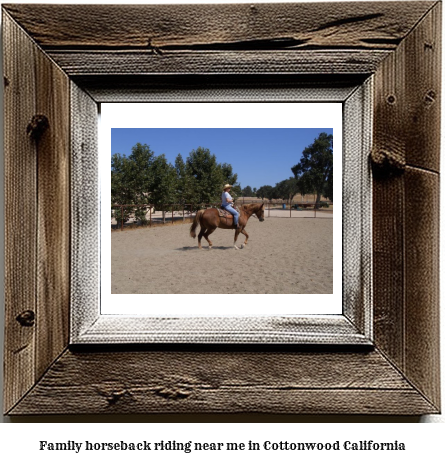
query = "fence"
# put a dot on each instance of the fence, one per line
(148, 215)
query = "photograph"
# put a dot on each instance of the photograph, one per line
(169, 191)
(229, 182)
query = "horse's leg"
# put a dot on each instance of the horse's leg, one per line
(201, 233)
(237, 231)
(243, 231)
(207, 234)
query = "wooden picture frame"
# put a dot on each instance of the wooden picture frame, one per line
(76, 56)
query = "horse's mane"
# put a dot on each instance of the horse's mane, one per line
(251, 206)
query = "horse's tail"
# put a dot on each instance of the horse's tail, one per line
(195, 223)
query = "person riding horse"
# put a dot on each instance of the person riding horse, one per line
(227, 204)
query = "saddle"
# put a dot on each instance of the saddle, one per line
(225, 213)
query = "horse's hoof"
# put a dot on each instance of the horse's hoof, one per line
(236, 247)
(242, 246)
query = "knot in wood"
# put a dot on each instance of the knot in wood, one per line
(389, 162)
(172, 393)
(26, 318)
(430, 97)
(37, 126)
(114, 397)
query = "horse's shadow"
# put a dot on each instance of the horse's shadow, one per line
(215, 247)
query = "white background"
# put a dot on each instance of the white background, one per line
(224, 115)
(19, 441)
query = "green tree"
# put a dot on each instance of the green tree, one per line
(231, 178)
(164, 182)
(131, 177)
(120, 190)
(207, 174)
(316, 167)
(328, 190)
(247, 192)
(131, 180)
(185, 188)
(286, 189)
(265, 192)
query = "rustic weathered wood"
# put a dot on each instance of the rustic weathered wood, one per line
(78, 63)
(37, 191)
(398, 42)
(422, 365)
(53, 194)
(357, 237)
(217, 87)
(407, 132)
(108, 329)
(373, 25)
(85, 210)
(20, 213)
(422, 96)
(220, 381)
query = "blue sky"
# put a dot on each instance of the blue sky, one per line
(258, 156)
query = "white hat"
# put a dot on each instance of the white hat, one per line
(227, 186)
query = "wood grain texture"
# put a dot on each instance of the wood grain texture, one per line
(37, 189)
(406, 241)
(53, 232)
(216, 87)
(388, 201)
(122, 63)
(357, 236)
(220, 381)
(422, 364)
(377, 25)
(423, 91)
(112, 329)
(20, 212)
(53, 239)
(85, 210)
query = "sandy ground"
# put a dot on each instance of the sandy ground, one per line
(283, 256)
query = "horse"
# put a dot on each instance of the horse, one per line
(209, 220)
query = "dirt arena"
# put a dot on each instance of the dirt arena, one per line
(283, 256)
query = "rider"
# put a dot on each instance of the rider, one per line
(227, 204)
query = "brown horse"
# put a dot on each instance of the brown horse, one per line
(209, 220)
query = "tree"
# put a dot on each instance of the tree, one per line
(314, 172)
(286, 189)
(131, 177)
(185, 190)
(328, 190)
(131, 180)
(207, 174)
(231, 178)
(265, 192)
(164, 182)
(247, 192)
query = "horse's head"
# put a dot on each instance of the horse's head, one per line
(260, 213)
